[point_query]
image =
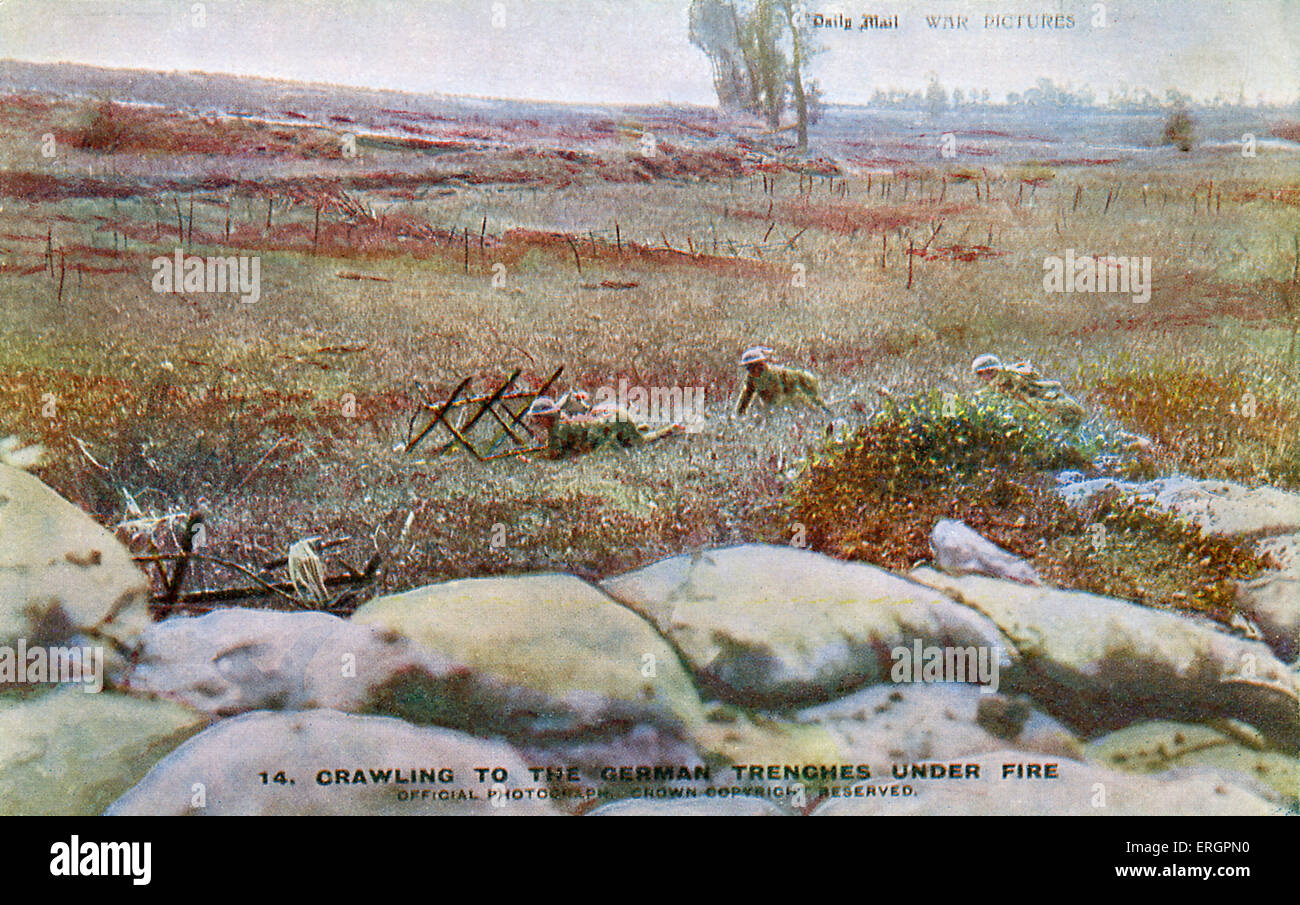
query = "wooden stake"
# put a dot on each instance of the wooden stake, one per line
(577, 260)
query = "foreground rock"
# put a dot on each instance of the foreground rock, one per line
(1161, 746)
(778, 627)
(333, 764)
(1273, 599)
(579, 673)
(1216, 507)
(62, 576)
(232, 661)
(584, 663)
(884, 724)
(66, 752)
(959, 550)
(1080, 789)
(1099, 663)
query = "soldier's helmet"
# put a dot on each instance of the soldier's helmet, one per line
(986, 363)
(574, 403)
(754, 354)
(543, 405)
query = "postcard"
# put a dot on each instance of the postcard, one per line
(648, 407)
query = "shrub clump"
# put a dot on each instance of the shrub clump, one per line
(989, 462)
(1180, 129)
(984, 460)
(1207, 423)
(1124, 548)
(106, 129)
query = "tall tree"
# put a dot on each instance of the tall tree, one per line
(715, 29)
(760, 59)
(797, 24)
(761, 43)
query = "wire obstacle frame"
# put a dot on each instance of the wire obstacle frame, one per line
(498, 405)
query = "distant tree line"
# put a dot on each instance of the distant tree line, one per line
(935, 98)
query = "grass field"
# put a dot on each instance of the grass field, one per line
(243, 411)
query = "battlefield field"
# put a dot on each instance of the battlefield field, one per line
(406, 243)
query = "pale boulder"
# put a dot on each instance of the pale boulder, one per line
(332, 764)
(959, 549)
(574, 676)
(1157, 747)
(231, 661)
(1098, 663)
(1216, 507)
(66, 752)
(779, 627)
(883, 724)
(1079, 790)
(62, 575)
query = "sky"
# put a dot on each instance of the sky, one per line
(638, 51)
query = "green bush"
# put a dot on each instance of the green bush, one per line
(989, 462)
(935, 435)
(1179, 129)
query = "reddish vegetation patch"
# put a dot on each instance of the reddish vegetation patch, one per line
(40, 187)
(15, 105)
(1289, 195)
(817, 167)
(993, 133)
(1182, 300)
(87, 268)
(966, 253)
(400, 235)
(23, 270)
(89, 250)
(849, 217)
(1196, 419)
(1078, 161)
(673, 162)
(1288, 130)
(115, 128)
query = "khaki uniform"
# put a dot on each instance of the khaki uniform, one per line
(1047, 397)
(776, 385)
(609, 427)
(575, 405)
